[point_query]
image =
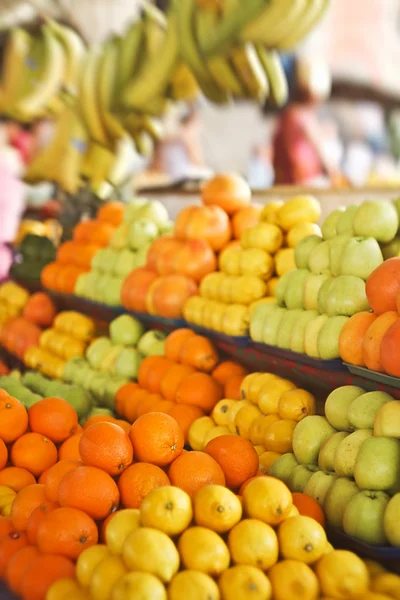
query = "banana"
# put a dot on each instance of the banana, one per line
(277, 21)
(144, 144)
(273, 68)
(183, 85)
(191, 53)
(16, 52)
(252, 74)
(101, 161)
(89, 100)
(122, 169)
(313, 14)
(130, 54)
(108, 68)
(155, 27)
(75, 51)
(68, 174)
(135, 123)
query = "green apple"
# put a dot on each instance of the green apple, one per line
(97, 350)
(336, 500)
(98, 387)
(155, 211)
(127, 364)
(286, 328)
(346, 454)
(328, 339)
(113, 385)
(392, 249)
(79, 399)
(152, 343)
(141, 233)
(272, 325)
(297, 341)
(90, 375)
(377, 465)
(311, 290)
(363, 518)
(329, 225)
(295, 289)
(97, 260)
(319, 260)
(299, 477)
(81, 285)
(362, 410)
(337, 406)
(387, 420)
(132, 209)
(311, 334)
(344, 225)
(281, 287)
(125, 263)
(308, 437)
(391, 521)
(167, 228)
(141, 255)
(347, 296)
(327, 453)
(100, 410)
(119, 238)
(303, 250)
(109, 259)
(109, 359)
(72, 367)
(126, 331)
(337, 246)
(112, 293)
(378, 219)
(360, 257)
(258, 318)
(283, 467)
(318, 485)
(101, 286)
(323, 295)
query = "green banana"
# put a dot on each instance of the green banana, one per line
(108, 68)
(130, 54)
(183, 85)
(89, 100)
(144, 144)
(155, 26)
(251, 72)
(277, 21)
(74, 50)
(273, 69)
(135, 123)
(313, 14)
(16, 52)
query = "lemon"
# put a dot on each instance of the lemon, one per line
(220, 413)
(296, 405)
(151, 551)
(216, 432)
(203, 550)
(294, 512)
(387, 583)
(248, 288)
(284, 261)
(264, 236)
(295, 580)
(256, 385)
(119, 527)
(138, 586)
(263, 301)
(255, 261)
(244, 419)
(198, 432)
(279, 435)
(267, 499)
(217, 508)
(254, 543)
(267, 459)
(245, 386)
(63, 589)
(302, 538)
(260, 449)
(233, 411)
(236, 320)
(375, 568)
(88, 561)
(105, 576)
(272, 283)
(300, 209)
(168, 509)
(270, 395)
(193, 585)
(244, 581)
(270, 211)
(229, 260)
(259, 426)
(342, 574)
(301, 231)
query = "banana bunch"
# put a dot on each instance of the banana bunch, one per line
(7, 496)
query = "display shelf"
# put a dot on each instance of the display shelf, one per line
(5, 594)
(381, 378)
(157, 322)
(222, 338)
(96, 310)
(317, 363)
(12, 361)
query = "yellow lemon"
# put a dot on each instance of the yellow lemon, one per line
(270, 211)
(342, 574)
(217, 508)
(217, 432)
(193, 309)
(230, 259)
(220, 413)
(284, 261)
(293, 579)
(375, 568)
(193, 585)
(300, 209)
(248, 289)
(260, 449)
(272, 283)
(328, 548)
(168, 509)
(236, 320)
(138, 586)
(279, 435)
(294, 512)
(270, 394)
(244, 581)
(244, 419)
(88, 561)
(217, 316)
(267, 459)
(255, 261)
(203, 550)
(263, 301)
(233, 411)
(225, 289)
(257, 384)
(300, 231)
(386, 583)
(259, 427)
(209, 287)
(267, 499)
(119, 527)
(375, 596)
(264, 236)
(105, 576)
(296, 404)
(302, 538)
(63, 589)
(245, 386)
(254, 543)
(198, 432)
(151, 551)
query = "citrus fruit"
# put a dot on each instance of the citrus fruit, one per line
(88, 561)
(254, 543)
(194, 585)
(216, 508)
(203, 550)
(244, 581)
(138, 585)
(151, 551)
(168, 509)
(267, 499)
(118, 526)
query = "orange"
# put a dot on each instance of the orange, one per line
(147, 404)
(3, 454)
(42, 572)
(228, 369)
(52, 477)
(53, 417)
(70, 448)
(232, 388)
(173, 378)
(236, 457)
(91, 490)
(106, 446)
(389, 349)
(137, 481)
(308, 507)
(6, 526)
(145, 368)
(122, 396)
(111, 213)
(193, 470)
(352, 337)
(37, 516)
(25, 503)
(16, 478)
(125, 426)
(185, 415)
(175, 341)
(383, 285)
(9, 545)
(199, 389)
(163, 406)
(199, 352)
(13, 418)
(67, 532)
(373, 340)
(157, 439)
(159, 369)
(132, 403)
(98, 419)
(34, 452)
(17, 565)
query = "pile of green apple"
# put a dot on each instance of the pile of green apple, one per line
(349, 462)
(143, 222)
(315, 300)
(110, 362)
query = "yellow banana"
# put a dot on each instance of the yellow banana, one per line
(106, 88)
(278, 20)
(144, 144)
(135, 123)
(183, 85)
(75, 51)
(16, 52)
(248, 67)
(68, 175)
(89, 99)
(122, 169)
(275, 73)
(130, 54)
(312, 15)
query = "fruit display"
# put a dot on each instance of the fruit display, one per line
(35, 252)
(139, 223)
(13, 298)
